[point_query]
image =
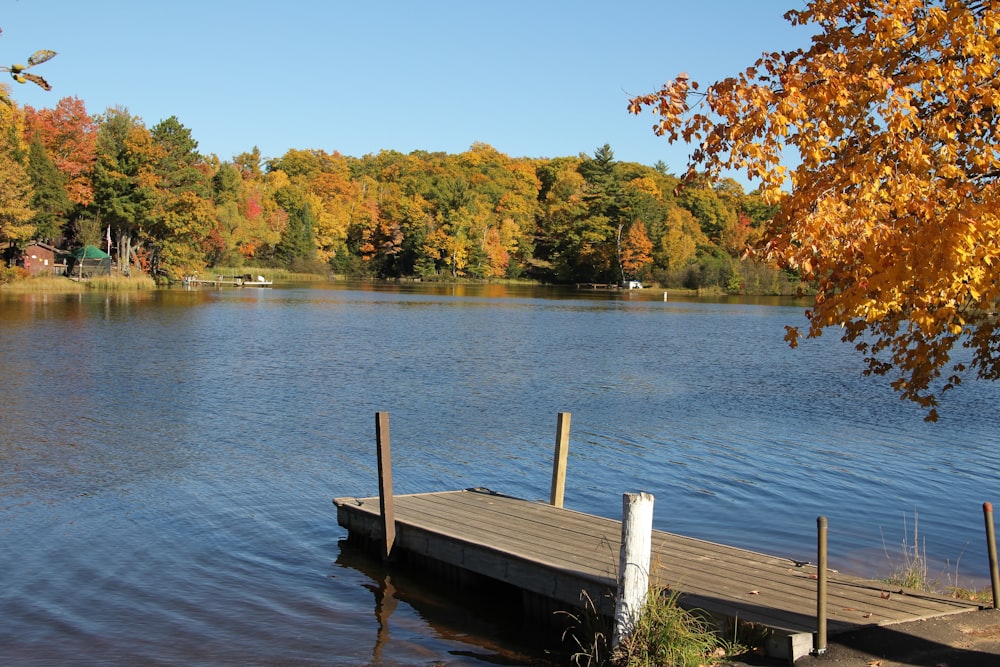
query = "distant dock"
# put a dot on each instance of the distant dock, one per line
(231, 281)
(554, 556)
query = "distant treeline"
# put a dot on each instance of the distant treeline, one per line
(70, 178)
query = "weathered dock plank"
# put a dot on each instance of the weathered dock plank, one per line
(558, 553)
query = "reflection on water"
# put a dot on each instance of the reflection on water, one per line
(487, 620)
(385, 604)
(167, 458)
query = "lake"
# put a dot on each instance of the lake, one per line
(169, 458)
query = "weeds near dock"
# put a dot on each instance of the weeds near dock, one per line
(910, 570)
(981, 596)
(590, 632)
(665, 634)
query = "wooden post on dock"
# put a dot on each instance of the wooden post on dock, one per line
(559, 460)
(991, 547)
(385, 482)
(633, 566)
(819, 639)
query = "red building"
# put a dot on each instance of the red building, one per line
(41, 259)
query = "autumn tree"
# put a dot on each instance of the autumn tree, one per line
(15, 187)
(583, 203)
(69, 135)
(636, 250)
(183, 214)
(246, 218)
(505, 195)
(16, 223)
(262, 220)
(124, 180)
(296, 248)
(604, 200)
(562, 194)
(227, 190)
(249, 164)
(679, 244)
(390, 237)
(891, 205)
(375, 225)
(49, 200)
(644, 202)
(343, 202)
(712, 212)
(322, 203)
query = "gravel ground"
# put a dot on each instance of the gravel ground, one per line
(970, 639)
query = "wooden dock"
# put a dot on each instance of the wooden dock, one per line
(230, 281)
(554, 554)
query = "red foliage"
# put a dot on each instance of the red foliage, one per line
(252, 206)
(69, 134)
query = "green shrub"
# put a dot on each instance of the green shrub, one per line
(9, 274)
(665, 634)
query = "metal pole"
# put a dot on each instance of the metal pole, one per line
(991, 545)
(819, 639)
(559, 460)
(385, 482)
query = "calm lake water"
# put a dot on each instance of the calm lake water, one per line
(168, 459)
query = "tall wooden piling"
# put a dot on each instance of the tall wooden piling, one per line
(633, 568)
(385, 482)
(559, 460)
(991, 546)
(819, 639)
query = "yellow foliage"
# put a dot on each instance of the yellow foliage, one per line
(15, 188)
(680, 242)
(893, 206)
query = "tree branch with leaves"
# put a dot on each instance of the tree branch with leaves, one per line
(879, 146)
(19, 72)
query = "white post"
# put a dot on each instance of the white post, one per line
(633, 568)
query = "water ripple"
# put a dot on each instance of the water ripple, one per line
(166, 496)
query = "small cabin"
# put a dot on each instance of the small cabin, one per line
(632, 284)
(42, 259)
(39, 258)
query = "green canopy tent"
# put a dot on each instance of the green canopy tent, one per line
(89, 252)
(90, 261)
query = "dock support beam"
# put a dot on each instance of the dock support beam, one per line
(385, 482)
(991, 546)
(559, 460)
(633, 567)
(819, 640)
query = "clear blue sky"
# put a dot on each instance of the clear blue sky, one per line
(531, 78)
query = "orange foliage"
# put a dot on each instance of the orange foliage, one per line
(893, 206)
(637, 249)
(69, 135)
